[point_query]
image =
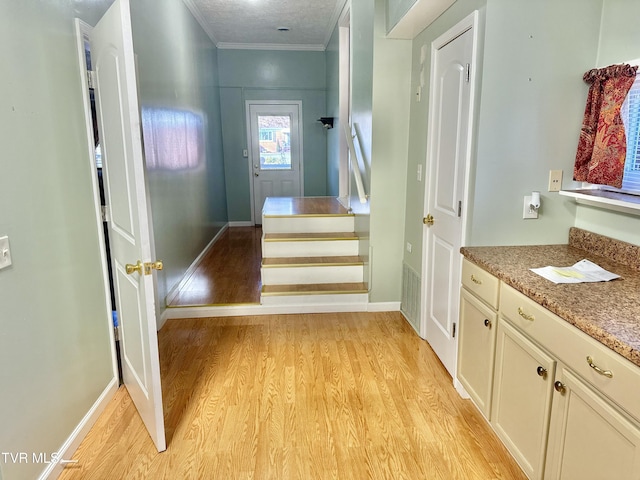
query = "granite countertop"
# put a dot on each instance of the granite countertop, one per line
(607, 311)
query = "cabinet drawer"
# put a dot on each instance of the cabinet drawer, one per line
(481, 283)
(573, 346)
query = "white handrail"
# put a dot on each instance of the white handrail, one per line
(355, 164)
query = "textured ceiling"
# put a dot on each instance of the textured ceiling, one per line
(255, 22)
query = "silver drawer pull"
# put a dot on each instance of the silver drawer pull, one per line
(606, 373)
(475, 280)
(525, 315)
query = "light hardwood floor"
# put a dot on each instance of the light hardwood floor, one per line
(324, 396)
(229, 272)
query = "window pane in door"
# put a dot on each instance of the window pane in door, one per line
(275, 142)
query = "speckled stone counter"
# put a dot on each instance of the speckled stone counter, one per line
(606, 311)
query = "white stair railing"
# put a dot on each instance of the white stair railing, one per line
(355, 164)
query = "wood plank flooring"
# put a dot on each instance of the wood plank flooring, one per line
(286, 206)
(324, 396)
(229, 273)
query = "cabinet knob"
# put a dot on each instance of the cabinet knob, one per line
(560, 387)
(487, 323)
(542, 372)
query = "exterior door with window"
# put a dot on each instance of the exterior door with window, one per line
(275, 140)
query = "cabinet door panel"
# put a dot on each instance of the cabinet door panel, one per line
(589, 438)
(523, 385)
(476, 349)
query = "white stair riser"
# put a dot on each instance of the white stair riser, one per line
(308, 224)
(307, 275)
(310, 248)
(322, 299)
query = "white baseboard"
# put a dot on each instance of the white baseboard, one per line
(72, 443)
(383, 307)
(192, 268)
(241, 224)
(409, 322)
(255, 309)
(460, 389)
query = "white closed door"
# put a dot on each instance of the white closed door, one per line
(275, 139)
(448, 152)
(128, 216)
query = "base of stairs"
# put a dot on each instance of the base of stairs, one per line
(305, 294)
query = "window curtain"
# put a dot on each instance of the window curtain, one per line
(602, 147)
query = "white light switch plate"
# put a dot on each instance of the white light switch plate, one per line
(526, 211)
(5, 252)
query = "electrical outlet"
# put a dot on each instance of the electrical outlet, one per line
(527, 211)
(555, 180)
(409, 247)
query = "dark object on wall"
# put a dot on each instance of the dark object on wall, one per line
(327, 122)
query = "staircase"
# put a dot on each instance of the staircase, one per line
(310, 253)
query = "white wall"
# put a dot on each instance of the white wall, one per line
(55, 353)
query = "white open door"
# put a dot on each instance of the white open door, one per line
(128, 216)
(449, 151)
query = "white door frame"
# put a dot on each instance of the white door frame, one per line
(470, 22)
(344, 100)
(248, 104)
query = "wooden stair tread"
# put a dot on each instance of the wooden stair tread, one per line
(311, 261)
(314, 289)
(303, 206)
(302, 237)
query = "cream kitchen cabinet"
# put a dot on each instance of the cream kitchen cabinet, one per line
(565, 406)
(522, 397)
(478, 322)
(589, 439)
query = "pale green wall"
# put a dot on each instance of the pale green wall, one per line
(395, 10)
(619, 42)
(532, 103)
(177, 71)
(55, 352)
(333, 110)
(271, 75)
(419, 123)
(390, 134)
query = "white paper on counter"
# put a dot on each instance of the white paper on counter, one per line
(582, 272)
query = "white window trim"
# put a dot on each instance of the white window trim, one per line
(603, 197)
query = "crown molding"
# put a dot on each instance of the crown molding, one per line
(197, 14)
(270, 46)
(341, 5)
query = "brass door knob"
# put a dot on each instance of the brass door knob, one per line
(428, 220)
(560, 387)
(542, 372)
(149, 266)
(131, 269)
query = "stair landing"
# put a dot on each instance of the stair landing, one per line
(312, 206)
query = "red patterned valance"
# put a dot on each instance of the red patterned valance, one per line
(602, 147)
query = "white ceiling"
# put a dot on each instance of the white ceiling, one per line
(254, 23)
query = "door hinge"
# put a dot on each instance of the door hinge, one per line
(103, 212)
(453, 335)
(459, 208)
(91, 79)
(116, 333)
(468, 72)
